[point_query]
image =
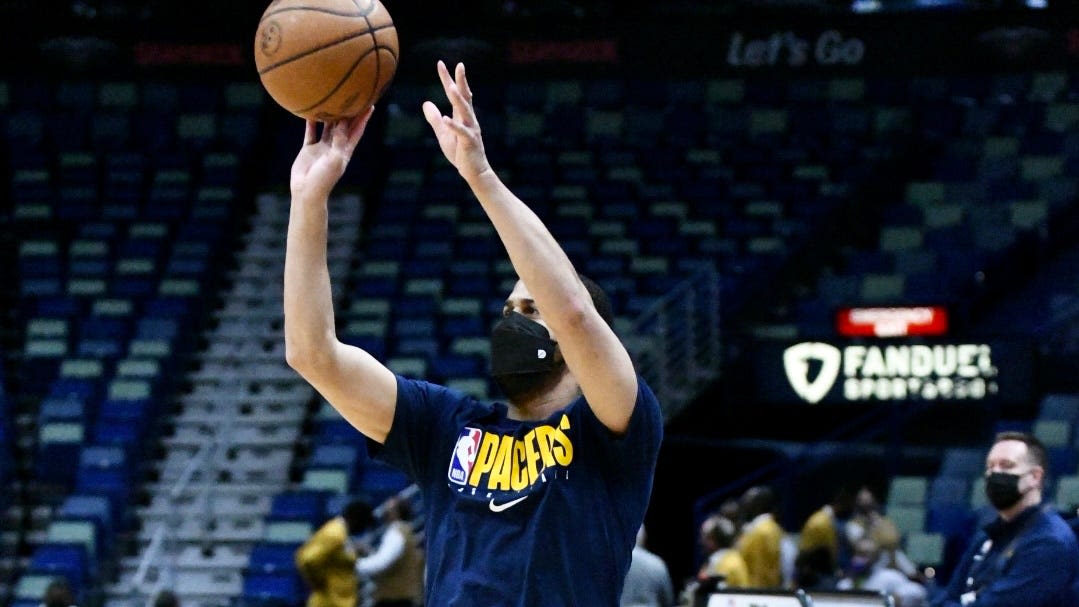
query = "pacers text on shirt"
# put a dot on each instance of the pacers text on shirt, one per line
(490, 461)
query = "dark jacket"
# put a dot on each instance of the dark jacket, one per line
(1032, 561)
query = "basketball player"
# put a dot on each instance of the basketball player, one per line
(534, 501)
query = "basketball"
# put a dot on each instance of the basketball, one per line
(326, 59)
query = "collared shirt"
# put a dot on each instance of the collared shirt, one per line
(1031, 561)
(992, 556)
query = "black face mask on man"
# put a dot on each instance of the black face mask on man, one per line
(522, 356)
(1002, 489)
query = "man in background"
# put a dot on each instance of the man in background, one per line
(760, 542)
(826, 528)
(1027, 555)
(868, 571)
(648, 582)
(396, 566)
(58, 594)
(327, 560)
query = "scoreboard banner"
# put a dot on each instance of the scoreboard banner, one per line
(711, 42)
(899, 321)
(835, 371)
(848, 44)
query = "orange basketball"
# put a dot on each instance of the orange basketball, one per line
(326, 59)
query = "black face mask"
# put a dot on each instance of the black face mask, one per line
(1002, 490)
(522, 356)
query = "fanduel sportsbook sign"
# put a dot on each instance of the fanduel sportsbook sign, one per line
(817, 371)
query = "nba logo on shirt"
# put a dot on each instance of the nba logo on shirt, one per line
(464, 455)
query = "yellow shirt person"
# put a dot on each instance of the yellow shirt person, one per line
(760, 547)
(729, 564)
(717, 536)
(327, 560)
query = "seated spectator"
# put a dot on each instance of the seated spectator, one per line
(731, 509)
(761, 539)
(869, 522)
(869, 571)
(396, 567)
(166, 598)
(814, 569)
(826, 528)
(723, 565)
(717, 538)
(58, 594)
(648, 582)
(1027, 556)
(326, 561)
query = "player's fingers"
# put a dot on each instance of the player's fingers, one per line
(462, 107)
(459, 127)
(444, 77)
(462, 83)
(431, 113)
(310, 132)
(357, 126)
(339, 137)
(364, 118)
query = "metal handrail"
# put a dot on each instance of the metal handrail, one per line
(676, 341)
(151, 558)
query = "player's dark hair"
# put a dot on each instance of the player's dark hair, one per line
(599, 299)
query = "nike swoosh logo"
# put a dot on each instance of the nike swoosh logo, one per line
(500, 507)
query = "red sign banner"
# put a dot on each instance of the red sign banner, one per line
(892, 322)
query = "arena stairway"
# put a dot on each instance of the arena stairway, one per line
(233, 436)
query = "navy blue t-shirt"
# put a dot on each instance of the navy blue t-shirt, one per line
(524, 514)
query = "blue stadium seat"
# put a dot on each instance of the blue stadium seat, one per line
(272, 589)
(58, 446)
(110, 131)
(379, 481)
(337, 455)
(453, 326)
(133, 286)
(84, 533)
(375, 286)
(1063, 407)
(97, 508)
(949, 490)
(298, 505)
(452, 366)
(950, 520)
(126, 433)
(58, 306)
(62, 409)
(415, 326)
(336, 431)
(158, 327)
(1063, 460)
(963, 462)
(88, 267)
(272, 558)
(29, 588)
(103, 348)
(83, 389)
(65, 560)
(421, 345)
(414, 307)
(105, 470)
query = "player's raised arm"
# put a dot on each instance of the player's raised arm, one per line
(595, 356)
(361, 388)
